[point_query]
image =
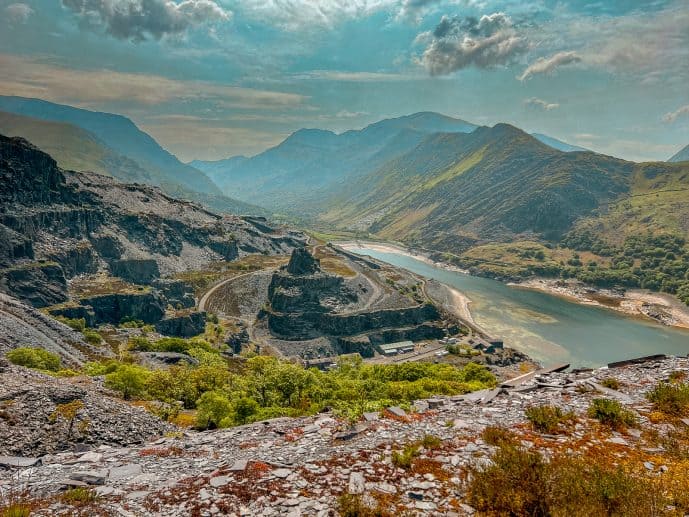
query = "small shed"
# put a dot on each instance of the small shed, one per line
(400, 347)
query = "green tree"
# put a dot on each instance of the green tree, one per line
(213, 407)
(129, 380)
(36, 358)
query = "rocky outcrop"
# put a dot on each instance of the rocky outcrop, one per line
(147, 306)
(303, 263)
(24, 326)
(136, 271)
(74, 311)
(38, 283)
(35, 415)
(84, 221)
(178, 293)
(187, 325)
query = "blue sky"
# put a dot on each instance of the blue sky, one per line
(215, 78)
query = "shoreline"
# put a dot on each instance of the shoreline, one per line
(661, 308)
(658, 307)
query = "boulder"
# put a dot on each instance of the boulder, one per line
(188, 325)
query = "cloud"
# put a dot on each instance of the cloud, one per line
(678, 113)
(307, 15)
(545, 65)
(458, 43)
(97, 88)
(139, 20)
(18, 13)
(540, 104)
(355, 77)
(350, 114)
(413, 10)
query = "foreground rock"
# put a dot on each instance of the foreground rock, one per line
(43, 415)
(301, 466)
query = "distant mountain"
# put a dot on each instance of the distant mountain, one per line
(76, 147)
(453, 190)
(681, 156)
(557, 144)
(311, 163)
(122, 136)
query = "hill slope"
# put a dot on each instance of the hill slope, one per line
(120, 134)
(492, 184)
(681, 156)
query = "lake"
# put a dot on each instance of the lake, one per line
(549, 328)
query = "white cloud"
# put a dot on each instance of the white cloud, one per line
(681, 112)
(18, 13)
(545, 65)
(356, 77)
(458, 43)
(305, 15)
(94, 88)
(540, 104)
(138, 20)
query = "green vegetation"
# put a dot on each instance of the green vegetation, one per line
(404, 459)
(92, 337)
(78, 324)
(233, 393)
(78, 496)
(521, 482)
(548, 419)
(498, 436)
(16, 510)
(612, 413)
(350, 505)
(671, 399)
(35, 358)
(611, 383)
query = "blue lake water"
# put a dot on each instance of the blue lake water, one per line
(549, 328)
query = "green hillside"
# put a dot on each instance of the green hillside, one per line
(456, 190)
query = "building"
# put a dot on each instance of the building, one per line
(400, 347)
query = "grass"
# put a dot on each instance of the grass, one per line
(404, 459)
(548, 419)
(350, 505)
(78, 496)
(670, 399)
(499, 436)
(612, 414)
(519, 482)
(16, 510)
(611, 383)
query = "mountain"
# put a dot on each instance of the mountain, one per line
(455, 189)
(73, 148)
(557, 144)
(57, 224)
(681, 156)
(215, 170)
(122, 136)
(312, 163)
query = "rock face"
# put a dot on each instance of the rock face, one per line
(178, 293)
(188, 325)
(303, 263)
(37, 420)
(137, 271)
(83, 223)
(21, 325)
(147, 306)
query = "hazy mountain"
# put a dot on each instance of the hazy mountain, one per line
(557, 144)
(681, 156)
(312, 162)
(121, 135)
(491, 184)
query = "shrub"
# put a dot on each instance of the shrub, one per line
(405, 458)
(521, 482)
(214, 409)
(16, 510)
(78, 324)
(92, 337)
(35, 358)
(350, 505)
(128, 379)
(79, 495)
(128, 323)
(671, 399)
(611, 383)
(612, 413)
(430, 442)
(498, 436)
(547, 419)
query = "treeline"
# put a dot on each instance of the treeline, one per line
(655, 262)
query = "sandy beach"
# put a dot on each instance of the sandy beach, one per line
(660, 307)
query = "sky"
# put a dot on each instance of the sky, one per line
(211, 79)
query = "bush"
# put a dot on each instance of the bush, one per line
(521, 482)
(35, 358)
(350, 505)
(612, 413)
(78, 496)
(78, 324)
(405, 458)
(214, 409)
(671, 399)
(611, 383)
(547, 419)
(129, 380)
(498, 436)
(92, 337)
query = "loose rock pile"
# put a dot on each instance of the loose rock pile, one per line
(301, 466)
